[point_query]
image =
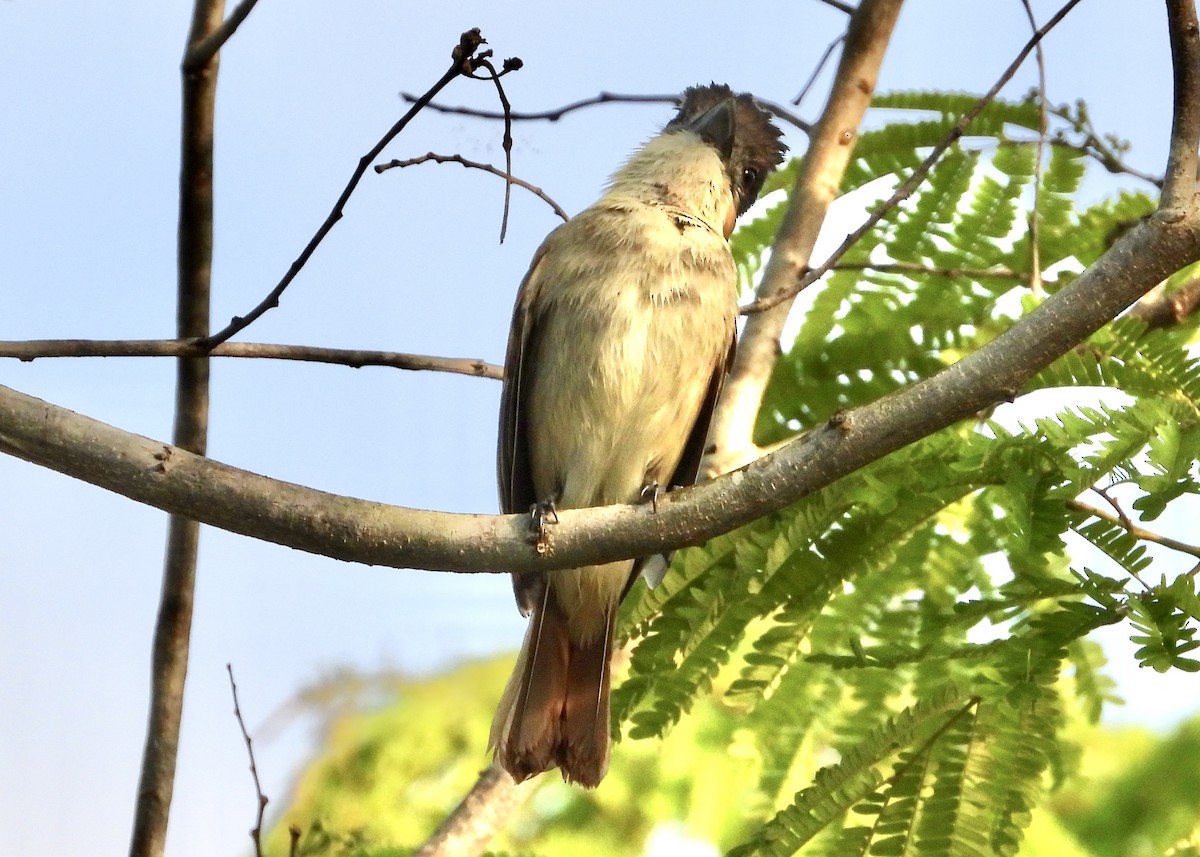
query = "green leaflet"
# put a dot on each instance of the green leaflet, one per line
(843, 621)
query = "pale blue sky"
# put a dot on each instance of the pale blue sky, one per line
(89, 117)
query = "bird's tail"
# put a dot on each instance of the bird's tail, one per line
(554, 711)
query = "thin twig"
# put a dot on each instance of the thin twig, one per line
(474, 165)
(1138, 532)
(256, 832)
(901, 268)
(35, 349)
(554, 114)
(918, 175)
(1093, 147)
(1035, 260)
(199, 54)
(840, 6)
(812, 78)
(294, 836)
(173, 623)
(507, 140)
(464, 62)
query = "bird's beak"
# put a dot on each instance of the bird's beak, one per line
(715, 126)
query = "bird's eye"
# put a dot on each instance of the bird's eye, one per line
(749, 176)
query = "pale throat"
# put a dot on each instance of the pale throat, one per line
(681, 173)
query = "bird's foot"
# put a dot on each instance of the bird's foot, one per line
(650, 492)
(541, 514)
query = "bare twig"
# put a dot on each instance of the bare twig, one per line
(256, 832)
(812, 78)
(464, 61)
(900, 268)
(1093, 147)
(477, 818)
(173, 625)
(199, 54)
(474, 165)
(1035, 253)
(918, 175)
(554, 114)
(829, 151)
(1138, 532)
(840, 6)
(507, 140)
(35, 349)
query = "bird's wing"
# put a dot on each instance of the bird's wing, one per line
(653, 568)
(515, 475)
(693, 451)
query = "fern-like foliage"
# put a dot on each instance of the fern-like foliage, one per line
(918, 619)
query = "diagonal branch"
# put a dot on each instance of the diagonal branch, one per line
(467, 830)
(199, 53)
(763, 304)
(463, 62)
(1138, 532)
(173, 625)
(731, 435)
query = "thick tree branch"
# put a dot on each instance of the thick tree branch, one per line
(34, 349)
(173, 626)
(361, 531)
(830, 147)
(1179, 180)
(472, 824)
(1168, 309)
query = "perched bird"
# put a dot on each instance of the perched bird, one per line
(621, 338)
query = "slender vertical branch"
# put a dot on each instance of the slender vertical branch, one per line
(831, 144)
(260, 798)
(1179, 184)
(1035, 249)
(173, 627)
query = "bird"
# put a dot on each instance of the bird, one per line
(622, 334)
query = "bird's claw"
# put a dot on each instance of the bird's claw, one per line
(539, 515)
(650, 492)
